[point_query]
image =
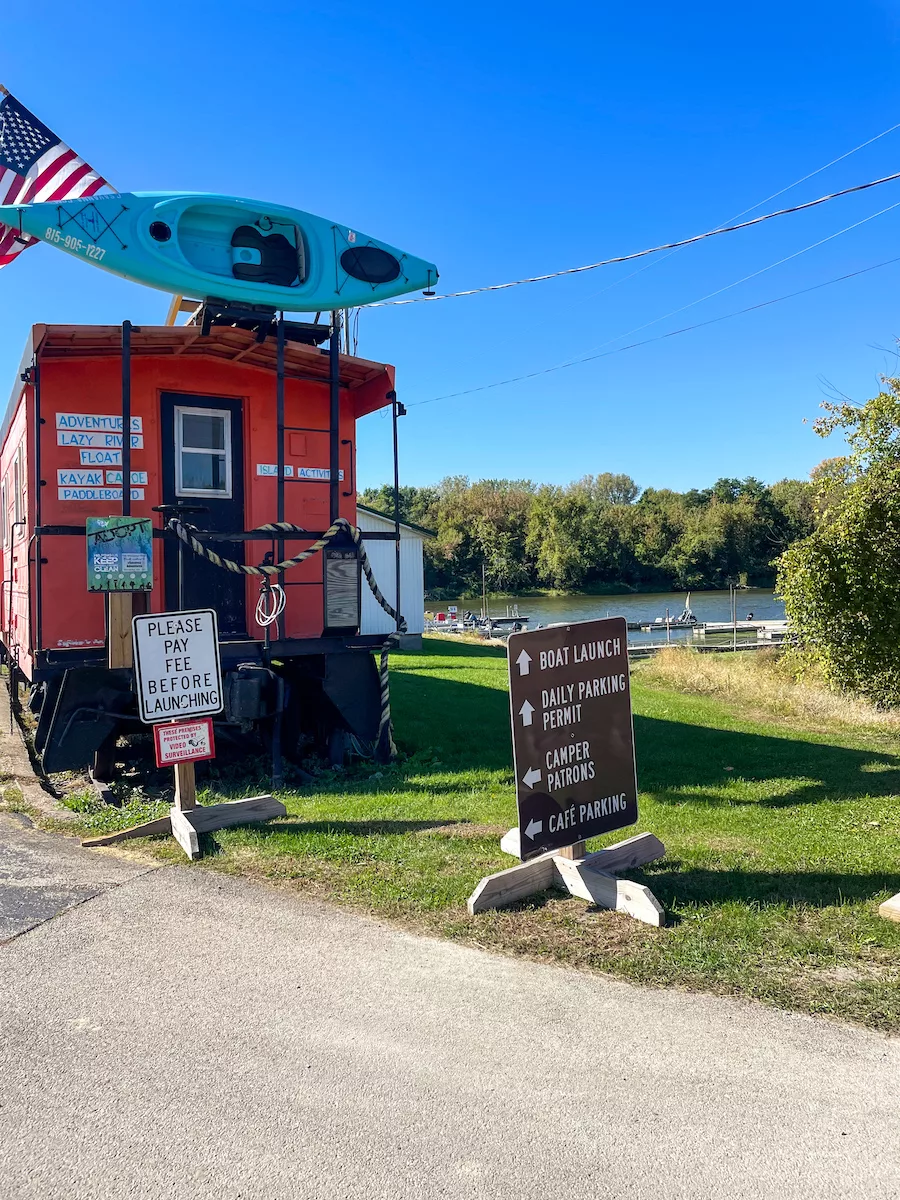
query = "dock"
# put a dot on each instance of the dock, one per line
(766, 630)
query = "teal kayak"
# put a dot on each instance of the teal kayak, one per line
(225, 248)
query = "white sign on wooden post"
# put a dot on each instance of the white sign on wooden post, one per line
(176, 662)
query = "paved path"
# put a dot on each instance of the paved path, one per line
(185, 1035)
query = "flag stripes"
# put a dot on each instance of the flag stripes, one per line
(35, 166)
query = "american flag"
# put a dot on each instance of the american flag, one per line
(34, 166)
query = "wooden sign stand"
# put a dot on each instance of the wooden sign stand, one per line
(188, 819)
(591, 877)
(186, 824)
(890, 909)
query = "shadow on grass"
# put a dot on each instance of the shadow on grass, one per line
(672, 755)
(446, 648)
(467, 726)
(819, 889)
(678, 889)
(355, 828)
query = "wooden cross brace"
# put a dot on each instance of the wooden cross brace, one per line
(186, 824)
(590, 876)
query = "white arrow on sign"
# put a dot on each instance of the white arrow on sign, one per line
(525, 713)
(524, 662)
(533, 828)
(531, 777)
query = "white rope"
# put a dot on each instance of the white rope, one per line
(270, 605)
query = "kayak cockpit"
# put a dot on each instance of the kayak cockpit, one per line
(253, 248)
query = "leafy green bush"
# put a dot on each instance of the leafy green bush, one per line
(841, 585)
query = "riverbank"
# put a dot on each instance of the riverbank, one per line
(781, 840)
(646, 607)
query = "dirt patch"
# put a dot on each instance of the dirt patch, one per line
(464, 829)
(856, 973)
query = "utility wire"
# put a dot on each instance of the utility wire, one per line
(659, 337)
(497, 287)
(737, 216)
(738, 282)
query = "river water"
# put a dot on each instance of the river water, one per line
(639, 606)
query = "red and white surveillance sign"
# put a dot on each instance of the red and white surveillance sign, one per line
(184, 741)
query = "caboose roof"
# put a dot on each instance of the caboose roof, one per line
(369, 380)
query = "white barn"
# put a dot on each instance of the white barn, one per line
(373, 618)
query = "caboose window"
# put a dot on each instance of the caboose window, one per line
(202, 452)
(18, 506)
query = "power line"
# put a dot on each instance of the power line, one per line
(782, 212)
(818, 171)
(737, 282)
(659, 337)
(737, 216)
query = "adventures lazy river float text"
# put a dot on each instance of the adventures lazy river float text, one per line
(573, 742)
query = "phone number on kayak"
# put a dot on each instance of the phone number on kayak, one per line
(69, 242)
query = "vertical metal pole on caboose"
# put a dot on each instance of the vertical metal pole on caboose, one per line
(126, 418)
(395, 414)
(334, 423)
(119, 605)
(279, 420)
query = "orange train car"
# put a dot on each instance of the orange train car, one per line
(213, 411)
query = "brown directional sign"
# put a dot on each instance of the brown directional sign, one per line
(573, 743)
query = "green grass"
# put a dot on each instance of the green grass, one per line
(780, 842)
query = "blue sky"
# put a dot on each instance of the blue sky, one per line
(507, 140)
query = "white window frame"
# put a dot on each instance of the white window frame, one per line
(4, 492)
(18, 498)
(225, 493)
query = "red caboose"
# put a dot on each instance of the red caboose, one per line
(229, 429)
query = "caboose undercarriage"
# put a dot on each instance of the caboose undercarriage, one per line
(321, 695)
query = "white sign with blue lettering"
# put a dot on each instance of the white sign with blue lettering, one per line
(108, 441)
(95, 422)
(97, 493)
(271, 469)
(100, 458)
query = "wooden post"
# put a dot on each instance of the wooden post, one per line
(174, 310)
(119, 653)
(185, 787)
(119, 649)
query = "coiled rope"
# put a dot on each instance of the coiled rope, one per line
(282, 529)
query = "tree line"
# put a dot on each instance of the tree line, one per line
(602, 531)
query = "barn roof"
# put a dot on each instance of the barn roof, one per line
(389, 520)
